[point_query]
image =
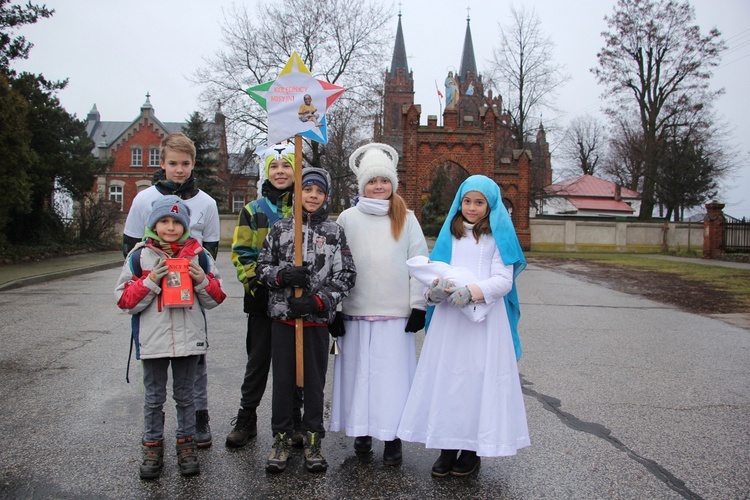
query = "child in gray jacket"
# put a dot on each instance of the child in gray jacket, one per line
(166, 336)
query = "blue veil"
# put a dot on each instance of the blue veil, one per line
(505, 238)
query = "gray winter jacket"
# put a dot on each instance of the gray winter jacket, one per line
(325, 251)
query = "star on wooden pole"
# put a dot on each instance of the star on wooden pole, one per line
(296, 102)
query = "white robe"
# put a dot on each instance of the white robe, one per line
(466, 393)
(377, 359)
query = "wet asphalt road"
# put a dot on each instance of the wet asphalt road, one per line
(626, 398)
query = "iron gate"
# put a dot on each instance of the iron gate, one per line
(737, 237)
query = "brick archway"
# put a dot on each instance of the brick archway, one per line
(473, 149)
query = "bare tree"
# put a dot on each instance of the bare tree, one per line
(624, 161)
(340, 41)
(583, 146)
(694, 157)
(524, 70)
(655, 61)
(347, 133)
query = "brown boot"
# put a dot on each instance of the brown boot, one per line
(187, 457)
(153, 459)
(245, 427)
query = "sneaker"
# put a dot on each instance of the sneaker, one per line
(314, 459)
(202, 436)
(153, 459)
(245, 427)
(392, 454)
(187, 457)
(279, 454)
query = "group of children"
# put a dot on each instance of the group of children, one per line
(463, 395)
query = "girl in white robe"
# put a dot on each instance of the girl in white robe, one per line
(466, 396)
(377, 359)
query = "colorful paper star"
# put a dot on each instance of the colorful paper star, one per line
(296, 102)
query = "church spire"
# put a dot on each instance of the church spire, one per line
(468, 61)
(399, 51)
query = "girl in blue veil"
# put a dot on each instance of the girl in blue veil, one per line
(466, 396)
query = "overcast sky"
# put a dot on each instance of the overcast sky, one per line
(115, 52)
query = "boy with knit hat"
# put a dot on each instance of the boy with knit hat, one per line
(166, 336)
(253, 224)
(325, 279)
(177, 155)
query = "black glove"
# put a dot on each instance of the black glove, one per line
(337, 328)
(416, 321)
(297, 276)
(303, 306)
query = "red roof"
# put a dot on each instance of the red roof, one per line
(600, 204)
(588, 186)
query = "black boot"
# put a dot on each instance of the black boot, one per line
(245, 427)
(467, 463)
(392, 454)
(202, 437)
(443, 465)
(363, 444)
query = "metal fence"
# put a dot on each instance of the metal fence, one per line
(737, 237)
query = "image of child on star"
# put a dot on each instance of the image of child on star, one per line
(308, 112)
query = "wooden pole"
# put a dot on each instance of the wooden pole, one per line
(298, 258)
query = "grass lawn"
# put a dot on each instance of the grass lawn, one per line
(733, 281)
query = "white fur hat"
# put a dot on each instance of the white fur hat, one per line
(374, 160)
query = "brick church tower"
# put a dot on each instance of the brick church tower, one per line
(398, 96)
(473, 139)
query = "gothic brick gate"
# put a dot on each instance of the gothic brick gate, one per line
(475, 137)
(476, 152)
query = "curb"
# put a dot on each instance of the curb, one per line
(41, 278)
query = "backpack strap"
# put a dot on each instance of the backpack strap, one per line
(203, 261)
(136, 269)
(135, 262)
(266, 209)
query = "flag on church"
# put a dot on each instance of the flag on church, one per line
(296, 103)
(440, 94)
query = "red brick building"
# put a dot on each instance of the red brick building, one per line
(474, 137)
(134, 148)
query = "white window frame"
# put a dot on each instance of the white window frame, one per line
(116, 192)
(153, 157)
(238, 202)
(136, 157)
